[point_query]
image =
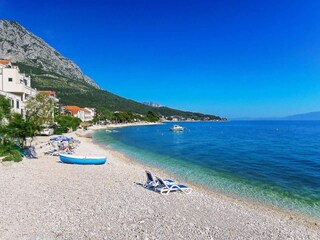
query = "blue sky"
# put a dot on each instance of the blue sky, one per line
(230, 58)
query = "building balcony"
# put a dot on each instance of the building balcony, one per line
(19, 89)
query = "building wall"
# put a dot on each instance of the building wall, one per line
(84, 116)
(17, 105)
(88, 117)
(92, 112)
(16, 87)
(19, 84)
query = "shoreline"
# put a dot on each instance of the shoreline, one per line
(298, 216)
(45, 199)
(94, 128)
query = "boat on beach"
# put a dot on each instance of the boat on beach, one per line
(177, 128)
(83, 160)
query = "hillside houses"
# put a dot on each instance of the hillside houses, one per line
(51, 94)
(16, 87)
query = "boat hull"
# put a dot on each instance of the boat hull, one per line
(82, 160)
(176, 130)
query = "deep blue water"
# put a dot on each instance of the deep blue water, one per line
(274, 162)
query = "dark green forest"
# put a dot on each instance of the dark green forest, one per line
(78, 92)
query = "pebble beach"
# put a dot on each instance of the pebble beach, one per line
(45, 199)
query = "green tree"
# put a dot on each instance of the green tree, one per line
(13, 135)
(66, 122)
(102, 114)
(123, 117)
(152, 117)
(5, 107)
(18, 130)
(40, 110)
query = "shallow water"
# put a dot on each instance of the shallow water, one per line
(274, 162)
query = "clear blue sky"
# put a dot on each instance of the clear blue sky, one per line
(231, 58)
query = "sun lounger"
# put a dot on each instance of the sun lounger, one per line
(165, 188)
(152, 182)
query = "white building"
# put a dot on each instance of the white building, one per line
(15, 86)
(92, 113)
(85, 114)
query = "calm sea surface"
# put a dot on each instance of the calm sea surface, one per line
(273, 162)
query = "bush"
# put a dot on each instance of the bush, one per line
(59, 130)
(13, 156)
(11, 153)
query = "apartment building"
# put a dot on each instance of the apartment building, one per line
(15, 86)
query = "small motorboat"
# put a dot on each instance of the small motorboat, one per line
(177, 128)
(83, 160)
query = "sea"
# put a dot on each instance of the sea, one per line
(275, 163)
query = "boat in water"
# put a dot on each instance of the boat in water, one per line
(177, 128)
(83, 160)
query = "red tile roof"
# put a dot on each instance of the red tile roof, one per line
(85, 110)
(47, 92)
(73, 109)
(4, 62)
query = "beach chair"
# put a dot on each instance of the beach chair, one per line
(151, 182)
(165, 188)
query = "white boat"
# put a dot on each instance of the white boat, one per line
(177, 128)
(47, 132)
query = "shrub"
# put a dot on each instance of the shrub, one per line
(11, 153)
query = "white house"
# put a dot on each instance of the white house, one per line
(92, 113)
(15, 86)
(85, 114)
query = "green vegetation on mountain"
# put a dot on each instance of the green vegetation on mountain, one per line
(80, 93)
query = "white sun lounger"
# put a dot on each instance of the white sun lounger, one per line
(152, 182)
(165, 188)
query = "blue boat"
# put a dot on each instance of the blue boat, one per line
(83, 160)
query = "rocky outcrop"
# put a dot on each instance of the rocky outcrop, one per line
(20, 45)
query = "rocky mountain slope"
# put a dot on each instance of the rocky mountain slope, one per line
(50, 70)
(20, 45)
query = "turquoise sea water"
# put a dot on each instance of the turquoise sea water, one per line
(272, 162)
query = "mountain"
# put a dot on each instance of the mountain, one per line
(20, 45)
(304, 116)
(311, 116)
(50, 70)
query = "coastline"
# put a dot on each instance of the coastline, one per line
(92, 129)
(49, 200)
(299, 216)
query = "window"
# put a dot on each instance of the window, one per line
(10, 79)
(18, 104)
